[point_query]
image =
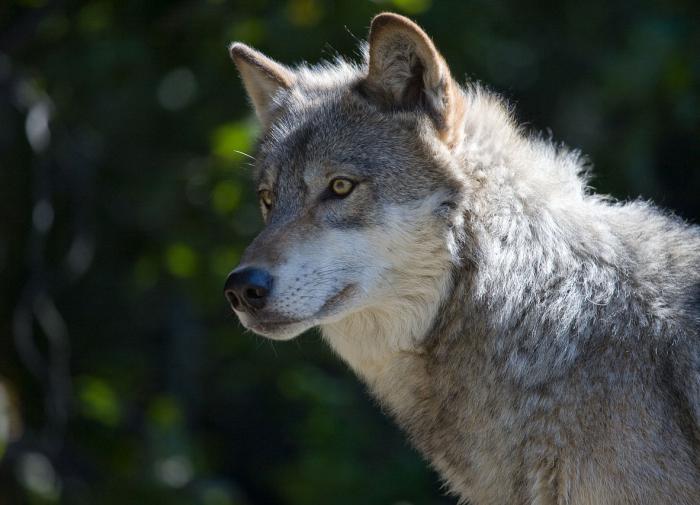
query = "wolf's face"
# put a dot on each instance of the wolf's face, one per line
(358, 194)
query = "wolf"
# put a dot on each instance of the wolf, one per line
(538, 343)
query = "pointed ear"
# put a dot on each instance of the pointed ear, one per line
(407, 72)
(262, 77)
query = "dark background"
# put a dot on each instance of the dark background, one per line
(123, 205)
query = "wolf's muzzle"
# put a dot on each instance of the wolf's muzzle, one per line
(247, 289)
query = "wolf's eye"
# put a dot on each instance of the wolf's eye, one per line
(341, 186)
(265, 197)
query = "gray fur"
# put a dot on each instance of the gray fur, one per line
(540, 344)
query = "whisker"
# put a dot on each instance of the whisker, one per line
(244, 154)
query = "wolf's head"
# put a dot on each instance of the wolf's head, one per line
(357, 184)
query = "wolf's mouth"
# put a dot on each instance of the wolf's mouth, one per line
(336, 300)
(273, 324)
(267, 326)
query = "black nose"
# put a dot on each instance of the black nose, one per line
(247, 289)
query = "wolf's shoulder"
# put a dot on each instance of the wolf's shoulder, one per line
(657, 232)
(664, 252)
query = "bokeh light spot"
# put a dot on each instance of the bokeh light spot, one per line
(412, 6)
(177, 89)
(98, 401)
(226, 196)
(37, 475)
(164, 412)
(181, 260)
(231, 137)
(304, 12)
(42, 215)
(252, 31)
(175, 471)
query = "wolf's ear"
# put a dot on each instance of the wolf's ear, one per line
(407, 72)
(262, 77)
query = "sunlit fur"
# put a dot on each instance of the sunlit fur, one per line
(539, 343)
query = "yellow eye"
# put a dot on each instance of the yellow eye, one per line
(266, 197)
(341, 186)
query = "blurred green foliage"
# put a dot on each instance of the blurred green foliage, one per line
(125, 200)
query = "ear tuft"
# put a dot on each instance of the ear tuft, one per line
(406, 71)
(262, 77)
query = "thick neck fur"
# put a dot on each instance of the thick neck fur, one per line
(372, 340)
(521, 193)
(479, 362)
